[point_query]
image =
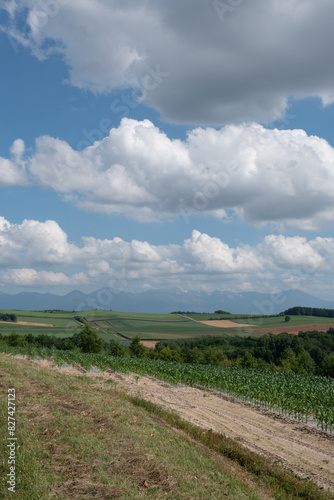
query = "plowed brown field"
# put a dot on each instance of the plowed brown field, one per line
(295, 329)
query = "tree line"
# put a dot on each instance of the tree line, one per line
(310, 311)
(8, 317)
(305, 353)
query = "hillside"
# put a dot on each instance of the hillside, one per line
(81, 437)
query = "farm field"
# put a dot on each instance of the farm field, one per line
(273, 325)
(157, 329)
(294, 321)
(302, 397)
(295, 329)
(208, 316)
(263, 322)
(109, 324)
(154, 327)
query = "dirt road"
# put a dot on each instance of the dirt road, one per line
(308, 452)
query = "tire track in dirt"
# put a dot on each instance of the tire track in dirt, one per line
(303, 449)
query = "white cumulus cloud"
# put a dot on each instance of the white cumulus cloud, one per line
(246, 171)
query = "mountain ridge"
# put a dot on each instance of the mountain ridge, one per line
(164, 301)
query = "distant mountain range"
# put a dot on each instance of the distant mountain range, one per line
(164, 301)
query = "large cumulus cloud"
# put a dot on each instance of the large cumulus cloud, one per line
(199, 62)
(247, 171)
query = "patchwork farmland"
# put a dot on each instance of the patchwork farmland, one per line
(154, 327)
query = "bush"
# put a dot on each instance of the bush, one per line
(14, 339)
(117, 349)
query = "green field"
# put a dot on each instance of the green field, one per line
(157, 328)
(110, 323)
(208, 316)
(295, 320)
(119, 325)
(263, 322)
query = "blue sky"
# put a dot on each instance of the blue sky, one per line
(187, 144)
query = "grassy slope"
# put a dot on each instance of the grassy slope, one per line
(80, 438)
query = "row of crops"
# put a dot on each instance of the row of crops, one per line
(297, 396)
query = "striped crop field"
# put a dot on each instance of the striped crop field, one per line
(155, 327)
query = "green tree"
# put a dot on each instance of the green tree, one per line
(14, 339)
(168, 355)
(248, 361)
(117, 349)
(214, 356)
(328, 366)
(304, 363)
(287, 318)
(288, 360)
(89, 340)
(136, 348)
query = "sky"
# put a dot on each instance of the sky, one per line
(156, 145)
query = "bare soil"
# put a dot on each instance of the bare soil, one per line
(295, 329)
(25, 323)
(305, 450)
(310, 453)
(223, 323)
(149, 343)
